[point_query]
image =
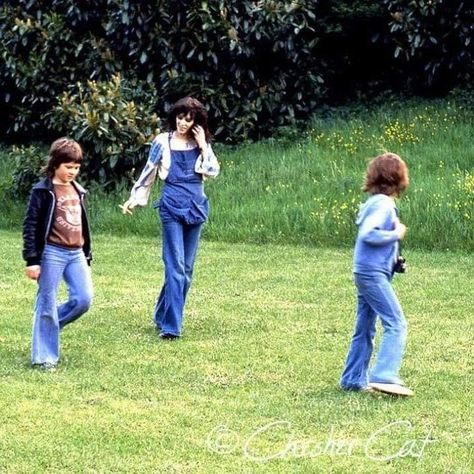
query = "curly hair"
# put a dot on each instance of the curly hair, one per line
(196, 110)
(386, 174)
(62, 150)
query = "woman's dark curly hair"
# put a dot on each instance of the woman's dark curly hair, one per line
(386, 174)
(62, 150)
(191, 106)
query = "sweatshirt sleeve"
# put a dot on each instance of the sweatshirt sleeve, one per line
(207, 163)
(378, 228)
(141, 190)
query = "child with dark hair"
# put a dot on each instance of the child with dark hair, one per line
(56, 246)
(182, 158)
(375, 257)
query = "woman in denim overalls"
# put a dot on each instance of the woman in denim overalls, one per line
(182, 158)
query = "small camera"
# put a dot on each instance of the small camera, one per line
(400, 265)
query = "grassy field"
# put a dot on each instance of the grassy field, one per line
(253, 384)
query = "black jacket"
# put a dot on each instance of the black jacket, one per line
(39, 218)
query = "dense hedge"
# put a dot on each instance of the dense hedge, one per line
(436, 39)
(112, 120)
(245, 61)
(257, 64)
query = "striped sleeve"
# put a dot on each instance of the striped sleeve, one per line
(207, 163)
(141, 190)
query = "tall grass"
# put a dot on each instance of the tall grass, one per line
(309, 191)
(305, 188)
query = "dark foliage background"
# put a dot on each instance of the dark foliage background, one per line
(258, 65)
(433, 42)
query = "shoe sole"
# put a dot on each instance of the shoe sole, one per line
(45, 368)
(392, 389)
(168, 337)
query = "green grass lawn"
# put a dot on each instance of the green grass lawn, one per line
(253, 384)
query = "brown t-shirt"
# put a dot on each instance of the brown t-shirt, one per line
(66, 229)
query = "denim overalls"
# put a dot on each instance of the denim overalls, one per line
(183, 208)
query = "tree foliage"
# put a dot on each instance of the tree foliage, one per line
(435, 38)
(257, 65)
(112, 120)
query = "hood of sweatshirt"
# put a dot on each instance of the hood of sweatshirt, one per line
(373, 201)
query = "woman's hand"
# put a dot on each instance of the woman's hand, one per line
(127, 206)
(33, 272)
(200, 137)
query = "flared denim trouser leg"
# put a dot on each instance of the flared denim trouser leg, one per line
(58, 263)
(375, 296)
(180, 244)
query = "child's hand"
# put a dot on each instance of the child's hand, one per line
(33, 272)
(127, 206)
(401, 230)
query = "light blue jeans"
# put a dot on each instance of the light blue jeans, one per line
(58, 263)
(180, 243)
(375, 296)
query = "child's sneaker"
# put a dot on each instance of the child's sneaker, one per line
(167, 336)
(392, 389)
(47, 366)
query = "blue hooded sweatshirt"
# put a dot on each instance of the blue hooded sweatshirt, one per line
(376, 247)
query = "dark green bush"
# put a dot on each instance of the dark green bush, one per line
(41, 54)
(255, 64)
(28, 161)
(111, 127)
(435, 38)
(258, 65)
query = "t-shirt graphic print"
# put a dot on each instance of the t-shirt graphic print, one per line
(67, 220)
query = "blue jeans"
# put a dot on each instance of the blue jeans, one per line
(58, 263)
(180, 243)
(375, 296)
